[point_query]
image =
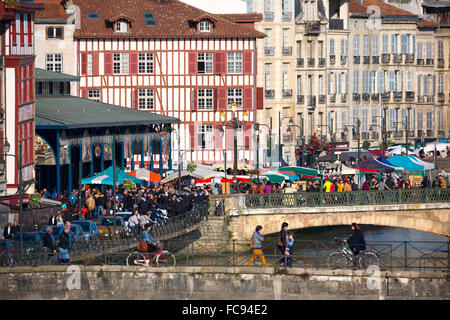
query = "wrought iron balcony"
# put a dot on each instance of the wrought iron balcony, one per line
(287, 93)
(343, 60)
(332, 97)
(430, 98)
(343, 97)
(286, 16)
(375, 97)
(386, 96)
(420, 62)
(429, 62)
(312, 27)
(356, 59)
(397, 58)
(356, 97)
(440, 134)
(332, 59)
(420, 99)
(409, 58)
(300, 62)
(268, 16)
(321, 98)
(311, 62)
(269, 93)
(366, 96)
(321, 62)
(441, 97)
(269, 51)
(420, 133)
(287, 51)
(398, 134)
(410, 95)
(366, 60)
(312, 101)
(398, 95)
(430, 133)
(385, 58)
(440, 63)
(375, 60)
(336, 24)
(300, 99)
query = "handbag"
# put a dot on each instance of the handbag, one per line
(142, 246)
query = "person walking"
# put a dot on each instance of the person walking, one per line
(282, 243)
(15, 228)
(90, 205)
(48, 246)
(256, 246)
(290, 260)
(7, 232)
(65, 243)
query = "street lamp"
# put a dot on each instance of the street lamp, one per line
(257, 129)
(235, 123)
(179, 154)
(18, 158)
(280, 119)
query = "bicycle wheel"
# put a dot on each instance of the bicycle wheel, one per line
(368, 259)
(337, 260)
(165, 259)
(135, 259)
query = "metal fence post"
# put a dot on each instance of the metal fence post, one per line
(406, 256)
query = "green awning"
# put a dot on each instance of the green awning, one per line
(49, 76)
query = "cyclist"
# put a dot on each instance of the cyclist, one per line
(151, 243)
(356, 241)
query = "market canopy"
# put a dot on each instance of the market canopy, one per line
(198, 173)
(375, 166)
(327, 158)
(406, 163)
(106, 177)
(353, 155)
(145, 174)
(426, 165)
(300, 170)
(274, 177)
(241, 166)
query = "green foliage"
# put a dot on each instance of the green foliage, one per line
(191, 167)
(366, 144)
(128, 184)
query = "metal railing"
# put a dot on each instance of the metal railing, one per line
(354, 198)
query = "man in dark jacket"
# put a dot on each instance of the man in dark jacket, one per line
(52, 220)
(15, 229)
(356, 241)
(49, 248)
(282, 243)
(7, 232)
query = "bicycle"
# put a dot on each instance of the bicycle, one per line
(161, 258)
(341, 258)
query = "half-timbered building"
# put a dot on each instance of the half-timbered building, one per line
(167, 57)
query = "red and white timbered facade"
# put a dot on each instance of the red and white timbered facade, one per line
(195, 76)
(19, 88)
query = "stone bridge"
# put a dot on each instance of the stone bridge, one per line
(241, 221)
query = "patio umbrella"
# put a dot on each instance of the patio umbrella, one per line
(145, 174)
(106, 177)
(274, 177)
(300, 170)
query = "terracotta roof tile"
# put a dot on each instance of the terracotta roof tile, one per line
(426, 23)
(54, 9)
(387, 10)
(242, 17)
(174, 19)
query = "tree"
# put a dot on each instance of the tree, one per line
(191, 167)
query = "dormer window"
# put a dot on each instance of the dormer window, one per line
(121, 27)
(204, 26)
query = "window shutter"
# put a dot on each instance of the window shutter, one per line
(248, 98)
(95, 68)
(84, 93)
(14, 32)
(192, 136)
(133, 63)
(30, 30)
(136, 98)
(108, 63)
(192, 63)
(219, 63)
(229, 138)
(247, 136)
(221, 99)
(218, 137)
(22, 29)
(194, 100)
(247, 62)
(83, 64)
(260, 98)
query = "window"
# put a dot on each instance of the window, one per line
(267, 76)
(145, 63)
(268, 40)
(440, 83)
(392, 118)
(205, 63)
(355, 81)
(55, 33)
(299, 85)
(285, 7)
(365, 79)
(54, 62)
(205, 136)
(235, 95)
(404, 46)
(394, 43)
(310, 49)
(204, 26)
(366, 46)
(355, 46)
(409, 80)
(121, 63)
(89, 64)
(440, 49)
(429, 120)
(331, 47)
(121, 27)
(385, 43)
(299, 49)
(92, 16)
(343, 53)
(285, 37)
(426, 91)
(429, 51)
(285, 76)
(419, 120)
(94, 95)
(375, 118)
(234, 62)
(149, 19)
(205, 99)
(339, 82)
(419, 50)
(365, 123)
(320, 85)
(146, 99)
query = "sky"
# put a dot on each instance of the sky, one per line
(217, 6)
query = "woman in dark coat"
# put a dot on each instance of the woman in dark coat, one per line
(356, 241)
